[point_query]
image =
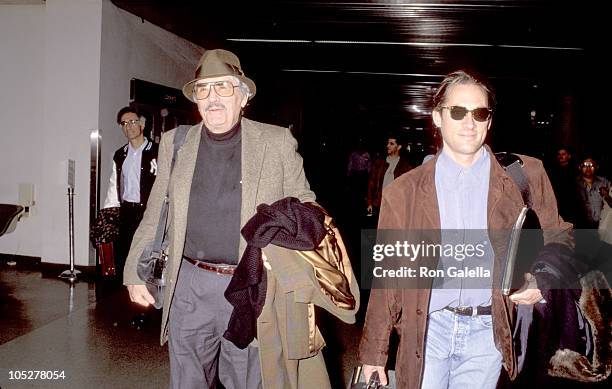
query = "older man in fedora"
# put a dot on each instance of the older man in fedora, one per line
(226, 167)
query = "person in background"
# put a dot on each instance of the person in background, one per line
(357, 173)
(132, 176)
(563, 179)
(434, 147)
(384, 171)
(594, 191)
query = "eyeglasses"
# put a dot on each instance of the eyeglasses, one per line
(479, 114)
(131, 122)
(587, 164)
(222, 88)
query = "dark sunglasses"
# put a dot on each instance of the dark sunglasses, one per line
(479, 114)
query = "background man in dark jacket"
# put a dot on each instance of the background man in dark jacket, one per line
(133, 174)
(563, 179)
(384, 171)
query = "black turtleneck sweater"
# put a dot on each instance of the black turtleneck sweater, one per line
(213, 219)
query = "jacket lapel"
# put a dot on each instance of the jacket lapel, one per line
(496, 186)
(428, 221)
(252, 156)
(253, 149)
(428, 197)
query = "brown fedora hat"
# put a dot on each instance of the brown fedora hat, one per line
(218, 63)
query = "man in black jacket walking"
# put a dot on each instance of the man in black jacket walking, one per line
(133, 174)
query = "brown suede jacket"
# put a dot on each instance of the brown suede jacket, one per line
(410, 203)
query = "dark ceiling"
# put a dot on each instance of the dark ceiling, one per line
(512, 39)
(392, 53)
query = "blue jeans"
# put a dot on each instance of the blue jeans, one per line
(460, 352)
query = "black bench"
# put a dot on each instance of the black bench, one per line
(9, 216)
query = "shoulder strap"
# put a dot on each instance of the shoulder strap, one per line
(179, 139)
(513, 165)
(160, 234)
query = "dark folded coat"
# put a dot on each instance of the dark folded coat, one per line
(286, 223)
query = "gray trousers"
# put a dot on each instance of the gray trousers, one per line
(198, 318)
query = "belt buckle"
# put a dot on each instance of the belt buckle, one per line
(465, 311)
(223, 267)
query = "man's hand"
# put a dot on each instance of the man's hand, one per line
(603, 191)
(529, 293)
(368, 370)
(140, 295)
(370, 209)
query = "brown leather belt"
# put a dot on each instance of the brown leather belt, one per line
(221, 269)
(469, 311)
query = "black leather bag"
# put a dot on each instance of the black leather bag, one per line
(151, 269)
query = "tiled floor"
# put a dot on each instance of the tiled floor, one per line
(48, 325)
(45, 324)
(28, 302)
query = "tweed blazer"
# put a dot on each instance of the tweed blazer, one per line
(271, 169)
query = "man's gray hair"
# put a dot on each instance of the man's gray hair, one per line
(244, 88)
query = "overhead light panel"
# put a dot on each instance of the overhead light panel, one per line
(386, 43)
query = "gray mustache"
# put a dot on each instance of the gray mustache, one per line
(214, 105)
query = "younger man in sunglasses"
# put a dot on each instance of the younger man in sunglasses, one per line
(456, 337)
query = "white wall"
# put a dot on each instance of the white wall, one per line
(71, 103)
(22, 31)
(65, 69)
